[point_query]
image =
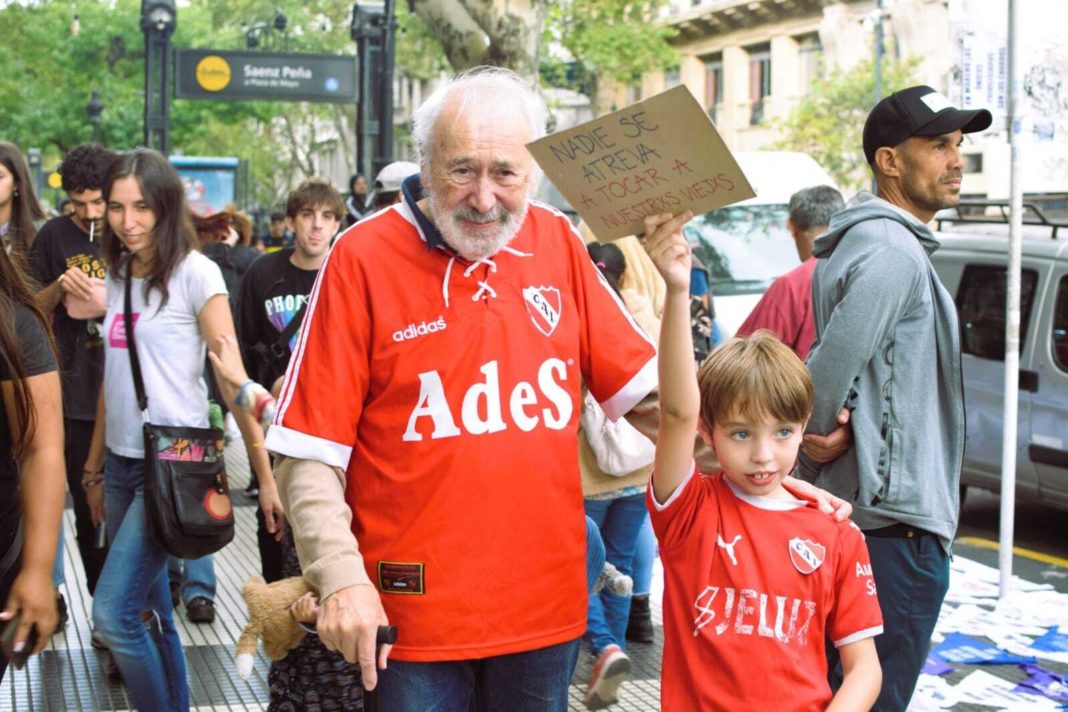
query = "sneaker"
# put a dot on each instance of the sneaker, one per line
(609, 672)
(614, 580)
(640, 623)
(62, 615)
(200, 610)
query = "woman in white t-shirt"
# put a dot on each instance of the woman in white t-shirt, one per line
(178, 304)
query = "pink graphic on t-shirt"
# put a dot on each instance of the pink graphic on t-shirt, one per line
(117, 334)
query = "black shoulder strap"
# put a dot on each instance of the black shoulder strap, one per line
(291, 328)
(131, 345)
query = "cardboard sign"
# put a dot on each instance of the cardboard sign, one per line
(660, 155)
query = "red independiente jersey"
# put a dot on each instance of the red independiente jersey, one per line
(752, 587)
(449, 391)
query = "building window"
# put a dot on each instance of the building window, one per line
(759, 81)
(672, 78)
(714, 85)
(809, 61)
(634, 93)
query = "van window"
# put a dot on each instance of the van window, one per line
(1060, 326)
(981, 306)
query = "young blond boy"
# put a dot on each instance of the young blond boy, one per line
(755, 580)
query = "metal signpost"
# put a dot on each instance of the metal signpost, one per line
(158, 20)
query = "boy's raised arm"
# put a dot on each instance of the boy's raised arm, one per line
(679, 397)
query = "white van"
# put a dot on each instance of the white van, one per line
(746, 246)
(971, 263)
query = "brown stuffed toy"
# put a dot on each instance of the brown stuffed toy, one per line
(269, 618)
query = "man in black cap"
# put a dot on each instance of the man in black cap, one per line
(888, 349)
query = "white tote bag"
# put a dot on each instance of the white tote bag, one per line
(616, 445)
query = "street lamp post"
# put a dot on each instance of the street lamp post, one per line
(158, 20)
(373, 27)
(93, 111)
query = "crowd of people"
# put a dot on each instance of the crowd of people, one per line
(463, 421)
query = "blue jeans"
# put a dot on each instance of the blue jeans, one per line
(619, 520)
(644, 557)
(196, 577)
(594, 553)
(532, 681)
(134, 582)
(912, 577)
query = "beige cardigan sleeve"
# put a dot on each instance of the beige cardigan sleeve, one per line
(313, 496)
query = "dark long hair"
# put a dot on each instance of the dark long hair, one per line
(13, 291)
(610, 260)
(173, 237)
(24, 206)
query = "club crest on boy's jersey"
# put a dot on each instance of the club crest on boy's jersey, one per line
(543, 305)
(806, 555)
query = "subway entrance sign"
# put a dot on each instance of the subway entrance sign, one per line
(225, 75)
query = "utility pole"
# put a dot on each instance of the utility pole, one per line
(878, 64)
(158, 20)
(1006, 531)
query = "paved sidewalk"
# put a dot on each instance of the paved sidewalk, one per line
(68, 676)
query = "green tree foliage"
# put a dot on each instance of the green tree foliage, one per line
(419, 53)
(613, 39)
(49, 73)
(829, 122)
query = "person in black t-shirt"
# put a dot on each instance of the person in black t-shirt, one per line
(65, 261)
(270, 310)
(31, 462)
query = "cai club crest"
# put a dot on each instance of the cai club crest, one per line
(806, 555)
(543, 305)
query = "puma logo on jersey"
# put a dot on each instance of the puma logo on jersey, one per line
(481, 410)
(746, 612)
(729, 548)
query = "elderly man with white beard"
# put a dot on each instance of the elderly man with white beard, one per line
(427, 424)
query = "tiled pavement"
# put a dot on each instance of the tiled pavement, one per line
(68, 676)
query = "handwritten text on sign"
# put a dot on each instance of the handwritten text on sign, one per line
(661, 155)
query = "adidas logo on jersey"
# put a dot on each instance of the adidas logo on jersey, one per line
(423, 328)
(481, 410)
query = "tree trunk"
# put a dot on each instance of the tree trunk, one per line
(504, 33)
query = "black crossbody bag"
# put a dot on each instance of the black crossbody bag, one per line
(272, 359)
(187, 495)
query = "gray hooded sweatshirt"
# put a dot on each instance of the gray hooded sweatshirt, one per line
(888, 348)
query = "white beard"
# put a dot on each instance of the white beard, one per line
(487, 242)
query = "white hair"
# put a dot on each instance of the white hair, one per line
(487, 89)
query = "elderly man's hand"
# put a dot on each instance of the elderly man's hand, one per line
(348, 622)
(827, 502)
(824, 448)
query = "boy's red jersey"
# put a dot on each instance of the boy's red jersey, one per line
(752, 587)
(449, 391)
